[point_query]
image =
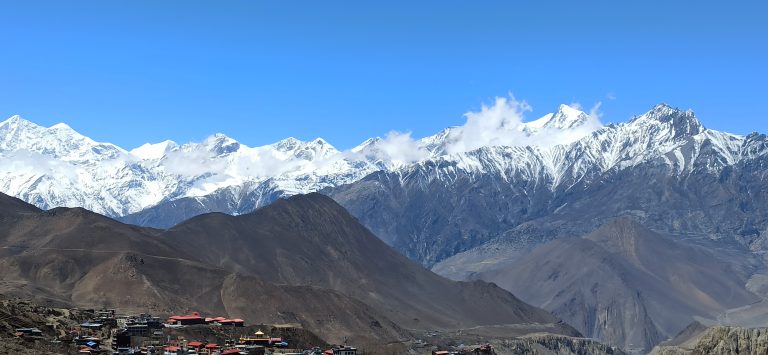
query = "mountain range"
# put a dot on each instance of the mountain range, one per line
(165, 183)
(482, 214)
(520, 204)
(464, 200)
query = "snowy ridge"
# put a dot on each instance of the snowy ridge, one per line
(58, 141)
(664, 135)
(150, 151)
(56, 166)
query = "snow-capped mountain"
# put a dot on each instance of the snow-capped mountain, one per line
(58, 141)
(164, 183)
(502, 213)
(56, 166)
(149, 151)
(663, 166)
(465, 201)
(674, 136)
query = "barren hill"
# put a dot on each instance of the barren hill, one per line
(302, 260)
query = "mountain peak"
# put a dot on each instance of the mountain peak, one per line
(218, 136)
(149, 151)
(287, 144)
(683, 122)
(17, 121)
(568, 109)
(665, 113)
(368, 143)
(322, 147)
(221, 144)
(60, 125)
(567, 117)
(319, 141)
(313, 202)
(315, 148)
(12, 119)
(664, 109)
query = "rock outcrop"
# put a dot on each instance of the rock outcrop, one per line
(721, 340)
(557, 345)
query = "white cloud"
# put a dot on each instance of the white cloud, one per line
(576, 105)
(401, 148)
(25, 162)
(499, 124)
(595, 113)
(191, 163)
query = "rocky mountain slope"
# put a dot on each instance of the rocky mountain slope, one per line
(629, 286)
(303, 260)
(717, 340)
(52, 322)
(476, 214)
(662, 167)
(311, 240)
(557, 345)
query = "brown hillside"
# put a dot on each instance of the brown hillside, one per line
(303, 260)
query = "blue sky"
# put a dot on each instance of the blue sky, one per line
(133, 71)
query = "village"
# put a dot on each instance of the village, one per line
(106, 332)
(32, 329)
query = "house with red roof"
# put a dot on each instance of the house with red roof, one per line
(189, 319)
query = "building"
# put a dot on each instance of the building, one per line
(91, 342)
(344, 350)
(258, 338)
(190, 319)
(196, 345)
(142, 326)
(212, 348)
(137, 330)
(92, 326)
(172, 349)
(29, 332)
(149, 320)
(106, 317)
(122, 340)
(232, 322)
